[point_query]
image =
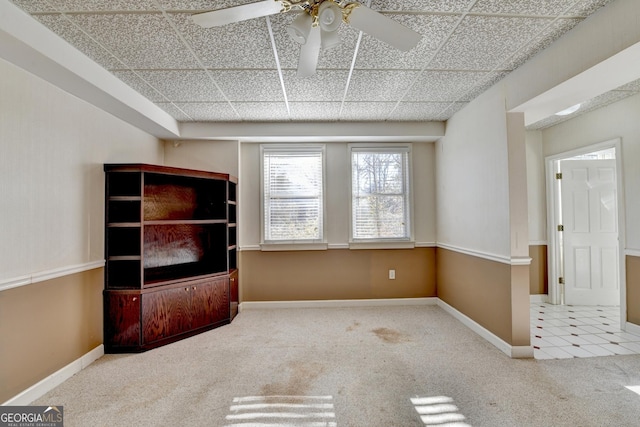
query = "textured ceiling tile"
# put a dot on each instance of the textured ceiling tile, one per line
(484, 84)
(101, 5)
(445, 86)
(366, 111)
(422, 5)
(138, 40)
(262, 111)
(209, 111)
(34, 6)
(241, 45)
(141, 86)
(418, 111)
(542, 41)
(201, 5)
(315, 111)
(180, 85)
(325, 85)
(587, 7)
(78, 39)
(484, 42)
(373, 85)
(249, 85)
(522, 7)
(434, 29)
(175, 112)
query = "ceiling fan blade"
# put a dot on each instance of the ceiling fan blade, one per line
(220, 17)
(309, 53)
(383, 28)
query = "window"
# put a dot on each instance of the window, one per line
(380, 193)
(293, 194)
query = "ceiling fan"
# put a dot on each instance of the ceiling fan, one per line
(316, 27)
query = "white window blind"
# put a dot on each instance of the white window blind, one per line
(380, 193)
(293, 194)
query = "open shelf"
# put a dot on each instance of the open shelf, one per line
(170, 249)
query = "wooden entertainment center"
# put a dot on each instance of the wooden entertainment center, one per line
(171, 258)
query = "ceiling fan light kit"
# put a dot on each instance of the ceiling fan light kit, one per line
(299, 29)
(317, 26)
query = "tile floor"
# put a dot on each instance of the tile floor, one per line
(562, 332)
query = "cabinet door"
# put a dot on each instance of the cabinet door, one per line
(234, 293)
(121, 319)
(221, 299)
(165, 313)
(202, 304)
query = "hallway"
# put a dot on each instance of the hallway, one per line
(564, 331)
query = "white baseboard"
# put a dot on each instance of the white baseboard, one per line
(632, 328)
(260, 305)
(52, 381)
(515, 352)
(539, 298)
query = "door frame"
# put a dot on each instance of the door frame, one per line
(554, 259)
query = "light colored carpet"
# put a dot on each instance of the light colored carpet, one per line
(357, 367)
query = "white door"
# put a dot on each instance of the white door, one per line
(590, 236)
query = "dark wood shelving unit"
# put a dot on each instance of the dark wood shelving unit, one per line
(171, 260)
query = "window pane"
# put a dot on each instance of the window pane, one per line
(380, 194)
(293, 203)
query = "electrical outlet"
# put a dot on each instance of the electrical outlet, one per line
(392, 274)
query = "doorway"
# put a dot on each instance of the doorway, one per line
(586, 226)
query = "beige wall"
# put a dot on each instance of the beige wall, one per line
(214, 156)
(486, 291)
(52, 150)
(538, 275)
(47, 325)
(633, 289)
(337, 274)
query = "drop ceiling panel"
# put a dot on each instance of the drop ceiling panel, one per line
(139, 40)
(485, 42)
(249, 85)
(201, 5)
(366, 111)
(174, 111)
(587, 7)
(422, 5)
(374, 85)
(315, 111)
(231, 73)
(434, 30)
(208, 111)
(75, 36)
(241, 45)
(420, 111)
(445, 86)
(173, 85)
(262, 111)
(540, 42)
(325, 85)
(523, 7)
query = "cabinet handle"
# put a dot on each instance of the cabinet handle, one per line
(135, 298)
(194, 288)
(186, 289)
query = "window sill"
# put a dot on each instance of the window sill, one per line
(383, 245)
(272, 247)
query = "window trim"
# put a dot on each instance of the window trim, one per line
(285, 245)
(383, 243)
